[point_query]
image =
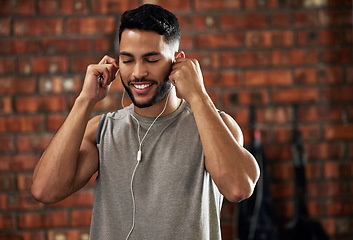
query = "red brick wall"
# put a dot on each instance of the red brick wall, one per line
(270, 54)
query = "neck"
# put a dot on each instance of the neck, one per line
(153, 111)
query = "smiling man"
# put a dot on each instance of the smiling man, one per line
(165, 162)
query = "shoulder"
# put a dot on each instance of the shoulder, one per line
(233, 127)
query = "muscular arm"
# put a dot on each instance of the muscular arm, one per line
(71, 158)
(232, 167)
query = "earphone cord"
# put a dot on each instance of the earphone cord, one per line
(139, 156)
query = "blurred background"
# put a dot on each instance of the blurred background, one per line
(275, 65)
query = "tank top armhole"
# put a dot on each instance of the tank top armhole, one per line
(99, 129)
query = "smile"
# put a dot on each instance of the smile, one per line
(142, 86)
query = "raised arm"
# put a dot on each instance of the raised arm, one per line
(233, 169)
(71, 158)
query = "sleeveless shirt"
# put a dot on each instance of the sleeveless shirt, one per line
(175, 196)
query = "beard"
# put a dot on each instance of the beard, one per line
(161, 92)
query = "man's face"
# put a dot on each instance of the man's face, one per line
(145, 62)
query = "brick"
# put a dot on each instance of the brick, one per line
(14, 85)
(332, 169)
(171, 5)
(5, 105)
(256, 78)
(220, 40)
(42, 220)
(244, 97)
(90, 25)
(206, 60)
(331, 37)
(7, 144)
(33, 142)
(313, 171)
(21, 124)
(329, 18)
(324, 151)
(54, 121)
(60, 84)
(339, 132)
(187, 42)
(55, 7)
(245, 59)
(338, 94)
(269, 38)
(320, 113)
(198, 22)
(80, 64)
(303, 76)
(68, 234)
(24, 181)
(40, 104)
(113, 6)
(7, 66)
(296, 95)
(5, 26)
(274, 115)
(43, 65)
(307, 37)
(244, 21)
(336, 56)
(104, 44)
(23, 236)
(7, 222)
(66, 45)
(82, 198)
(278, 152)
(20, 7)
(294, 57)
(20, 46)
(306, 19)
(283, 135)
(326, 189)
(330, 75)
(228, 79)
(21, 201)
(281, 19)
(282, 172)
(314, 208)
(81, 218)
(216, 5)
(339, 208)
(38, 26)
(18, 162)
(7, 182)
(310, 132)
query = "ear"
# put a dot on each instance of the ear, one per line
(179, 54)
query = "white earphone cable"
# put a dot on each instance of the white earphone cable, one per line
(139, 157)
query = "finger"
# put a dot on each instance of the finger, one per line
(109, 60)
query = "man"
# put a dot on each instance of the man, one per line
(165, 162)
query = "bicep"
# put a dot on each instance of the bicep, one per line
(87, 164)
(233, 128)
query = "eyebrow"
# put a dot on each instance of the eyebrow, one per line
(149, 54)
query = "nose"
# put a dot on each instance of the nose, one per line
(139, 71)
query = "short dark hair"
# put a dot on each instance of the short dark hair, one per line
(150, 17)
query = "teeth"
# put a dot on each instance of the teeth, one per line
(142, 86)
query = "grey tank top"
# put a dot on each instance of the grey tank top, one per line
(175, 196)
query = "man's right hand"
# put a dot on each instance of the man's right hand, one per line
(92, 89)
